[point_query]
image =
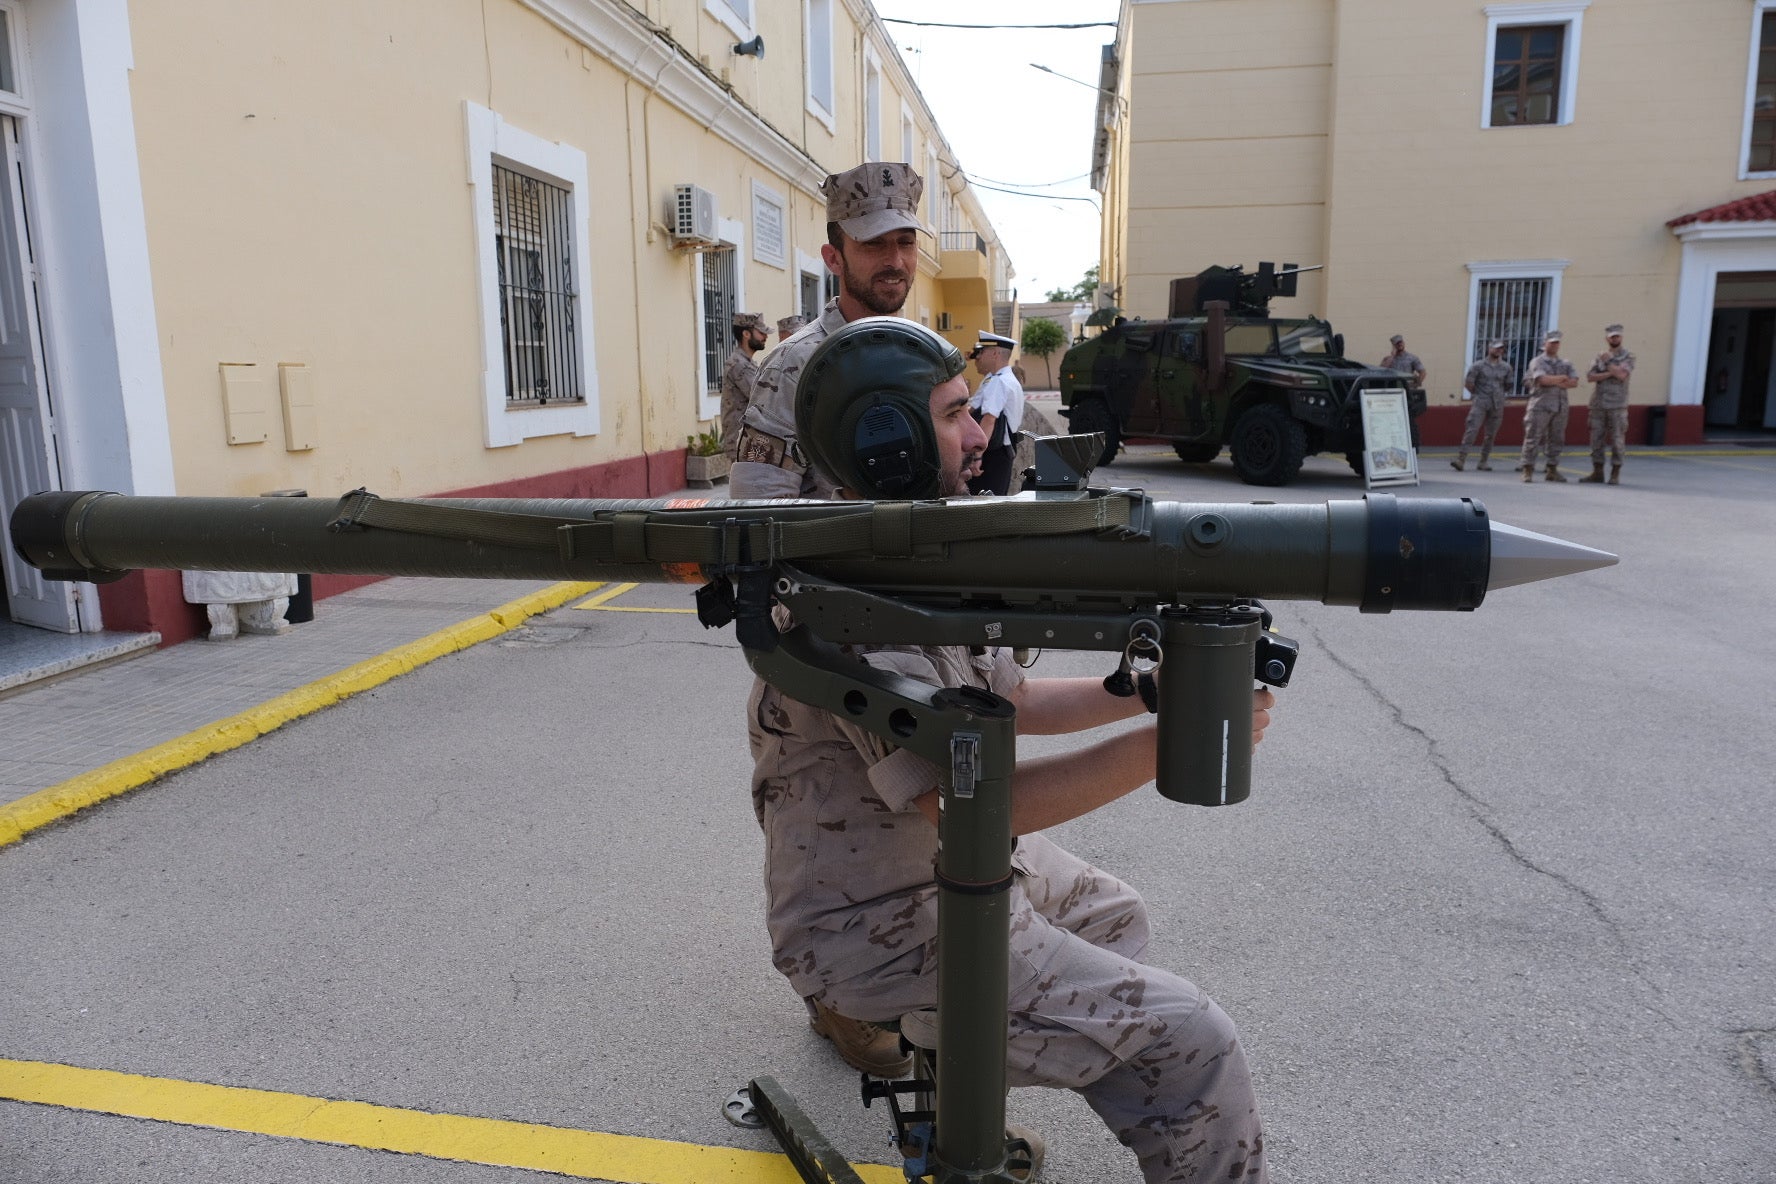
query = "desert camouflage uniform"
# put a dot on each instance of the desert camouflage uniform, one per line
(1609, 407)
(1544, 420)
(737, 380)
(768, 463)
(853, 920)
(1491, 381)
(1404, 362)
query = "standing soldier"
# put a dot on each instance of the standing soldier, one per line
(1402, 362)
(787, 326)
(872, 245)
(1489, 381)
(750, 336)
(1549, 377)
(1609, 406)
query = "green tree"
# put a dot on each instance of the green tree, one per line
(1082, 290)
(1042, 337)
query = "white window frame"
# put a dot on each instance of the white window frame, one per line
(1570, 13)
(762, 196)
(909, 137)
(807, 266)
(1512, 269)
(820, 61)
(732, 233)
(1759, 8)
(872, 104)
(735, 14)
(490, 136)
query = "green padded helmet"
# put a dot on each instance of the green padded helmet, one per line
(863, 406)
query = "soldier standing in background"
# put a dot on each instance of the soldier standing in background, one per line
(1609, 406)
(1548, 377)
(1401, 362)
(787, 326)
(750, 336)
(872, 245)
(1489, 381)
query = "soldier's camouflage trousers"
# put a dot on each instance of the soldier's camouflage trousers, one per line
(1154, 1056)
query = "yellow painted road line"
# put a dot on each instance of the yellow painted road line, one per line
(586, 1155)
(494, 1142)
(610, 593)
(624, 608)
(39, 809)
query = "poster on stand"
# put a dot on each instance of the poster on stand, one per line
(1389, 457)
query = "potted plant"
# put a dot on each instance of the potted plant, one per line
(705, 464)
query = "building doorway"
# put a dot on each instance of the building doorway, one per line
(28, 462)
(1742, 353)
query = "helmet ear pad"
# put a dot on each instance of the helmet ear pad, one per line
(863, 407)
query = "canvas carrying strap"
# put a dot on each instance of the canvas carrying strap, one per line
(889, 530)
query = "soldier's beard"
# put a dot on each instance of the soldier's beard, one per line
(955, 482)
(883, 303)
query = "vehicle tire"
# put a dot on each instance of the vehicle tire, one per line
(1268, 446)
(1197, 454)
(1093, 415)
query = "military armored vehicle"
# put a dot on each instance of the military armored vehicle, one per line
(1221, 372)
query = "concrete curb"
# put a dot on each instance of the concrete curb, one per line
(29, 813)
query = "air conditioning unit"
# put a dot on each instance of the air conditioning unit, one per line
(691, 216)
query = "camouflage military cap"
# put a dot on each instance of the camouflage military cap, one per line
(1495, 344)
(873, 199)
(1553, 335)
(788, 325)
(751, 320)
(1396, 339)
(1612, 330)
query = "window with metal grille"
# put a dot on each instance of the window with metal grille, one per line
(533, 246)
(1760, 149)
(718, 316)
(1515, 311)
(1526, 68)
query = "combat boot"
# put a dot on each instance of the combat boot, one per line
(866, 1047)
(1022, 1163)
(1596, 477)
(1529, 474)
(1460, 460)
(1615, 477)
(1483, 466)
(1553, 474)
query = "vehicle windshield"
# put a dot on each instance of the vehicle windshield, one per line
(1250, 339)
(1311, 338)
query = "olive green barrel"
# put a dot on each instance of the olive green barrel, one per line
(1379, 553)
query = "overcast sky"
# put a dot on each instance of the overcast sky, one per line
(1007, 122)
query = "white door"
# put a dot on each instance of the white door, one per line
(27, 428)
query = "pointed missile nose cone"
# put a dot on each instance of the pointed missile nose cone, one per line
(1523, 557)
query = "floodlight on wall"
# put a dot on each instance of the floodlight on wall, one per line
(752, 49)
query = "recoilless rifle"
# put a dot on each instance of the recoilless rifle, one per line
(1174, 588)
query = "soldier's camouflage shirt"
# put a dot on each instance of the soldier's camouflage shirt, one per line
(1491, 382)
(1611, 394)
(737, 379)
(1547, 398)
(849, 860)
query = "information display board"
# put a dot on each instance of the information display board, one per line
(1388, 455)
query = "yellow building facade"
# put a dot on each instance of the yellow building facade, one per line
(425, 248)
(1465, 171)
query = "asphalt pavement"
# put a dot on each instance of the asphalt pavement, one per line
(1502, 905)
